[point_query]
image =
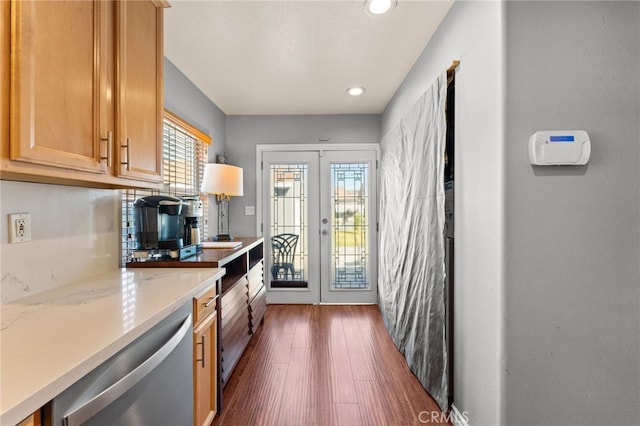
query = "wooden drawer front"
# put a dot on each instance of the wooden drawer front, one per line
(204, 305)
(255, 280)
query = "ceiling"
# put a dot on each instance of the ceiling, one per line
(297, 56)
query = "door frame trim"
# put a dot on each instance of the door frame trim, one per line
(320, 148)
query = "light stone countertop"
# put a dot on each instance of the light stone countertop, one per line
(50, 340)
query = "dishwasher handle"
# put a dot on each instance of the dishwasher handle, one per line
(115, 391)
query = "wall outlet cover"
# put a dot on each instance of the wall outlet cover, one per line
(19, 227)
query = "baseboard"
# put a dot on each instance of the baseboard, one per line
(458, 418)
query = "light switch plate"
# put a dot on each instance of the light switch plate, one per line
(249, 210)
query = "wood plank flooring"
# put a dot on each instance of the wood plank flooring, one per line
(324, 365)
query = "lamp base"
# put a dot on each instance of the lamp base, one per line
(223, 237)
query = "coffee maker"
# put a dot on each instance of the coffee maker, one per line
(159, 223)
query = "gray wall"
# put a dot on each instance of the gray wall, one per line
(245, 132)
(185, 100)
(472, 33)
(188, 102)
(572, 233)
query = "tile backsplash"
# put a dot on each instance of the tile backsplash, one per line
(75, 234)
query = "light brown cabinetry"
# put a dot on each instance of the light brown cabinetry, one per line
(205, 358)
(32, 420)
(5, 44)
(85, 85)
(139, 81)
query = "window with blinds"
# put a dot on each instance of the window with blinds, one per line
(184, 158)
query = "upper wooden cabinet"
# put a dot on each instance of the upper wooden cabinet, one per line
(5, 43)
(85, 92)
(140, 104)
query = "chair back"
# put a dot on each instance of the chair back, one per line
(284, 248)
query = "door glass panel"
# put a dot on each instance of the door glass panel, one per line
(289, 225)
(350, 226)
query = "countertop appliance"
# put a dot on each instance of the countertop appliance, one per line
(162, 229)
(149, 382)
(192, 217)
(159, 222)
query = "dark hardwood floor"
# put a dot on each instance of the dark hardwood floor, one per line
(324, 365)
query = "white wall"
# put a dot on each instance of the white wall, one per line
(245, 132)
(75, 234)
(472, 32)
(573, 233)
(76, 231)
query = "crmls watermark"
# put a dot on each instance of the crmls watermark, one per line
(437, 417)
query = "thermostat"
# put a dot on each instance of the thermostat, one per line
(562, 147)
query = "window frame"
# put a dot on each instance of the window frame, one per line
(178, 180)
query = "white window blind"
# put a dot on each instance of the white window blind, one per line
(184, 158)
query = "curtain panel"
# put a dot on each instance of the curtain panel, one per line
(411, 247)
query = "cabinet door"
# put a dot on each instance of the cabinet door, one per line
(140, 102)
(5, 24)
(32, 420)
(59, 59)
(205, 363)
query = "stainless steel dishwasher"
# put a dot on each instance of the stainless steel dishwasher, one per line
(149, 382)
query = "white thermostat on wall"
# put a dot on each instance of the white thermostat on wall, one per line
(562, 147)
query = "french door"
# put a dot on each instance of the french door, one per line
(318, 217)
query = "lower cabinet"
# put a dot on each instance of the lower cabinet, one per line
(205, 359)
(243, 302)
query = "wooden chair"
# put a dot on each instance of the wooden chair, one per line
(283, 248)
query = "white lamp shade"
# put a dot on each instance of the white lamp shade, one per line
(222, 179)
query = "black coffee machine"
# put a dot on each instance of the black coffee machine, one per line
(159, 222)
(167, 228)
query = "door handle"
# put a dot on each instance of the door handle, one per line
(203, 359)
(127, 150)
(109, 141)
(325, 232)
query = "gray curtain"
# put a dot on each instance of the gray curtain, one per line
(411, 251)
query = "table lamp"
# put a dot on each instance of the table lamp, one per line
(224, 181)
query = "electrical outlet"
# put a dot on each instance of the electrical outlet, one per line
(19, 227)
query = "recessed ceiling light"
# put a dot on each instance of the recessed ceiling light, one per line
(355, 91)
(378, 7)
